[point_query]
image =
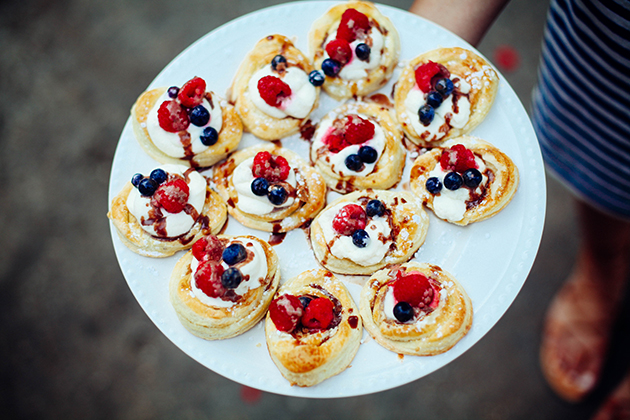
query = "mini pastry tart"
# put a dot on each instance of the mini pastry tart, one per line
(416, 309)
(223, 286)
(270, 188)
(464, 181)
(443, 94)
(188, 126)
(358, 146)
(356, 47)
(271, 91)
(165, 212)
(364, 231)
(313, 329)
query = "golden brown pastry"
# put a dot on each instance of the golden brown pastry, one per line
(165, 212)
(358, 146)
(364, 231)
(186, 126)
(416, 309)
(223, 286)
(313, 328)
(356, 47)
(270, 188)
(464, 181)
(444, 93)
(271, 90)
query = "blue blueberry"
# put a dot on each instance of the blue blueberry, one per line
(260, 186)
(173, 91)
(231, 278)
(354, 162)
(277, 195)
(368, 154)
(147, 187)
(433, 185)
(331, 67)
(199, 116)
(403, 311)
(135, 180)
(360, 238)
(444, 87)
(472, 177)
(159, 175)
(305, 300)
(434, 99)
(209, 136)
(234, 254)
(363, 52)
(278, 59)
(375, 208)
(426, 114)
(453, 181)
(316, 78)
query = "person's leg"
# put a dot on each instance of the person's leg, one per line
(578, 323)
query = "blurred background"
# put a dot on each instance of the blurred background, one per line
(75, 343)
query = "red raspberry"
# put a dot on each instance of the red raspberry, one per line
(339, 50)
(208, 248)
(191, 94)
(318, 314)
(415, 289)
(358, 130)
(173, 195)
(335, 142)
(271, 167)
(457, 159)
(273, 90)
(424, 74)
(285, 312)
(349, 219)
(172, 117)
(208, 278)
(353, 25)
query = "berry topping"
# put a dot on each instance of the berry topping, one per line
(350, 218)
(433, 185)
(316, 78)
(305, 300)
(444, 87)
(472, 178)
(368, 154)
(191, 94)
(199, 116)
(354, 163)
(428, 74)
(273, 168)
(358, 130)
(172, 117)
(403, 311)
(360, 238)
(434, 99)
(318, 314)
(335, 142)
(172, 92)
(231, 278)
(353, 25)
(285, 312)
(273, 90)
(363, 52)
(260, 186)
(277, 195)
(279, 62)
(173, 195)
(135, 180)
(452, 181)
(330, 67)
(413, 288)
(158, 175)
(209, 137)
(426, 114)
(375, 208)
(208, 278)
(457, 158)
(339, 50)
(208, 248)
(234, 254)
(147, 187)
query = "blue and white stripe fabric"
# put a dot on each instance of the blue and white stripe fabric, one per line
(581, 108)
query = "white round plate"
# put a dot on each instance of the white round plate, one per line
(491, 259)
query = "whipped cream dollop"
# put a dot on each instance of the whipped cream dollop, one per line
(251, 203)
(298, 105)
(448, 114)
(254, 270)
(341, 246)
(159, 222)
(337, 160)
(356, 69)
(179, 145)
